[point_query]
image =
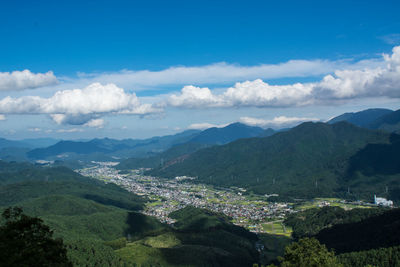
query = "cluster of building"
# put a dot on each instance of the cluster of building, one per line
(102, 171)
(167, 196)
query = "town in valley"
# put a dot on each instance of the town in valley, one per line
(253, 212)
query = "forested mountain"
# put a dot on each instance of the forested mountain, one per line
(109, 149)
(388, 122)
(383, 119)
(172, 155)
(310, 222)
(40, 142)
(379, 231)
(362, 118)
(312, 159)
(100, 226)
(206, 138)
(4, 143)
(359, 237)
(227, 134)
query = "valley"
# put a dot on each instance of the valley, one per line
(251, 211)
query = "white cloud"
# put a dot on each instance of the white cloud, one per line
(195, 97)
(35, 129)
(392, 39)
(95, 123)
(343, 85)
(2, 117)
(250, 93)
(281, 121)
(72, 130)
(220, 73)
(79, 106)
(205, 125)
(20, 80)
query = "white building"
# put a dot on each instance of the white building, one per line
(381, 201)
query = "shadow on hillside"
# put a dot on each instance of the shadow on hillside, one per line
(375, 159)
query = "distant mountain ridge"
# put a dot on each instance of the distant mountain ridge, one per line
(362, 118)
(382, 119)
(206, 138)
(389, 122)
(107, 149)
(227, 134)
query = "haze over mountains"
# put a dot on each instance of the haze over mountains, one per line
(112, 149)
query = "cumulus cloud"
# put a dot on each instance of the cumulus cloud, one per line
(79, 106)
(343, 84)
(250, 93)
(20, 80)
(281, 121)
(205, 125)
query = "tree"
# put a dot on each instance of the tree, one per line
(27, 241)
(308, 252)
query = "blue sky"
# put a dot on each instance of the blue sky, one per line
(144, 68)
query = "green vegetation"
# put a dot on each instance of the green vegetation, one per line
(163, 159)
(310, 160)
(100, 226)
(308, 252)
(274, 247)
(200, 238)
(375, 232)
(361, 237)
(26, 241)
(311, 221)
(84, 212)
(277, 228)
(382, 257)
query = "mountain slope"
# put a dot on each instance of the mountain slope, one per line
(4, 143)
(165, 158)
(206, 138)
(308, 160)
(100, 228)
(106, 149)
(374, 232)
(199, 238)
(227, 134)
(389, 122)
(362, 118)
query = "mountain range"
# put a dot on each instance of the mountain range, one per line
(383, 119)
(312, 159)
(107, 149)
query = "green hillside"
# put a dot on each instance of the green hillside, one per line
(362, 118)
(378, 231)
(199, 238)
(100, 226)
(309, 160)
(165, 158)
